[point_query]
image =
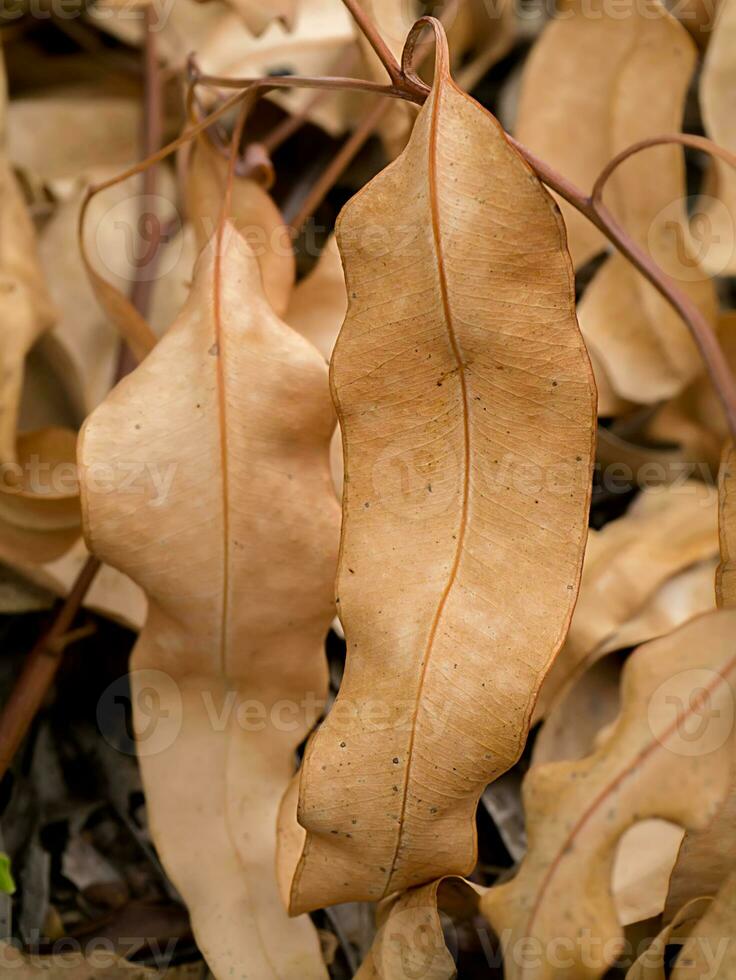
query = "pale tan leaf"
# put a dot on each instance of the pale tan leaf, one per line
(411, 940)
(665, 530)
(683, 596)
(463, 534)
(579, 713)
(112, 594)
(726, 574)
(27, 310)
(237, 561)
(101, 964)
(627, 80)
(319, 303)
(650, 965)
(668, 756)
(578, 722)
(258, 14)
(644, 860)
(695, 420)
(715, 216)
(60, 137)
(252, 213)
(705, 860)
(710, 950)
(224, 46)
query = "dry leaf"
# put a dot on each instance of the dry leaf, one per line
(258, 14)
(695, 420)
(726, 574)
(578, 112)
(101, 964)
(664, 531)
(714, 219)
(579, 721)
(668, 756)
(709, 949)
(251, 212)
(705, 860)
(237, 561)
(224, 46)
(650, 965)
(679, 599)
(319, 303)
(462, 535)
(640, 879)
(412, 939)
(26, 307)
(70, 133)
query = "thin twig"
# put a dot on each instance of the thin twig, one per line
(42, 663)
(373, 36)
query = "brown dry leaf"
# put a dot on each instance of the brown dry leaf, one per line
(705, 860)
(714, 220)
(252, 213)
(592, 701)
(224, 46)
(709, 950)
(102, 964)
(56, 138)
(237, 561)
(27, 310)
(679, 599)
(112, 594)
(645, 857)
(459, 347)
(88, 339)
(650, 965)
(258, 14)
(695, 420)
(628, 79)
(319, 303)
(411, 941)
(658, 761)
(666, 530)
(579, 721)
(726, 574)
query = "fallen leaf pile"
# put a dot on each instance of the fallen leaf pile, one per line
(383, 513)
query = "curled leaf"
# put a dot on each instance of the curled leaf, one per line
(668, 756)
(233, 538)
(463, 532)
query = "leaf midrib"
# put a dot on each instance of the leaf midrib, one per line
(452, 577)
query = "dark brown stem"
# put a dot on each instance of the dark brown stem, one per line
(373, 36)
(286, 129)
(42, 663)
(337, 83)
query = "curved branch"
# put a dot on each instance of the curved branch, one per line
(684, 139)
